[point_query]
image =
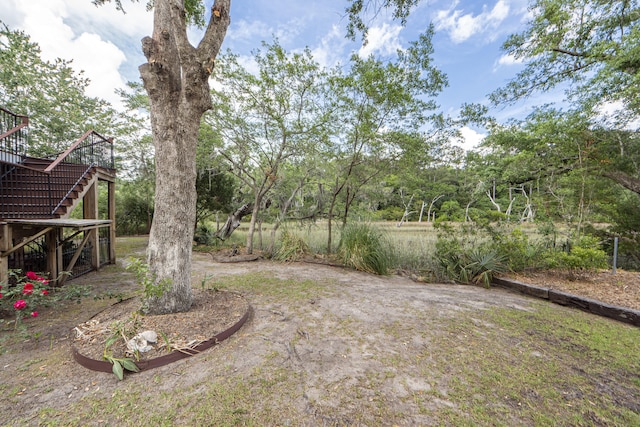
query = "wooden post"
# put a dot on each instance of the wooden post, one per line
(90, 211)
(51, 242)
(59, 252)
(111, 186)
(5, 245)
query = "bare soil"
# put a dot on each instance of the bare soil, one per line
(333, 341)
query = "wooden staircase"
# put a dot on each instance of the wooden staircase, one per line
(37, 196)
(28, 191)
(42, 188)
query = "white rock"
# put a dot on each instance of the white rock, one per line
(136, 343)
(150, 336)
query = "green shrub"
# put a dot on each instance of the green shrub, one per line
(365, 248)
(449, 258)
(518, 252)
(204, 236)
(586, 255)
(292, 247)
(390, 213)
(467, 262)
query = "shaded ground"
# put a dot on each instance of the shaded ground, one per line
(329, 346)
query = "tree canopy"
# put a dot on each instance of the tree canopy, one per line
(593, 45)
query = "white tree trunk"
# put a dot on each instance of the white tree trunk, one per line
(422, 210)
(493, 201)
(433, 201)
(176, 79)
(407, 212)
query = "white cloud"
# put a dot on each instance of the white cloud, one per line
(249, 31)
(462, 27)
(470, 139)
(615, 114)
(331, 49)
(506, 61)
(79, 31)
(249, 63)
(381, 39)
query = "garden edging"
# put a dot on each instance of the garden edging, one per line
(105, 366)
(622, 314)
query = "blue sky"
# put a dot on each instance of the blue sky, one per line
(469, 33)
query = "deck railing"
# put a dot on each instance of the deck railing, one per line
(13, 136)
(90, 149)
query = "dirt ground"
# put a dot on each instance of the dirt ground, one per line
(334, 338)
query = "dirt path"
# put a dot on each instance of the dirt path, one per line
(351, 348)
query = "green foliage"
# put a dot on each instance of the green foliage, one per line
(204, 236)
(360, 12)
(194, 10)
(25, 292)
(482, 264)
(451, 211)
(120, 364)
(390, 213)
(364, 248)
(134, 207)
(122, 330)
(277, 116)
(151, 287)
(624, 223)
(462, 257)
(292, 247)
(215, 193)
(586, 255)
(592, 43)
(517, 250)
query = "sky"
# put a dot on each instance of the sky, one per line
(105, 43)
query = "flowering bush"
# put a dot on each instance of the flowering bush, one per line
(23, 294)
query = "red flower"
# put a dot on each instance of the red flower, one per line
(44, 281)
(34, 314)
(0, 295)
(45, 292)
(28, 289)
(31, 275)
(20, 304)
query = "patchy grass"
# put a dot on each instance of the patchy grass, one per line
(550, 367)
(267, 285)
(540, 365)
(130, 246)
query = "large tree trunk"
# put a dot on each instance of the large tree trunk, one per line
(176, 79)
(627, 181)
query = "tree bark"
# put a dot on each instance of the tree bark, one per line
(433, 201)
(233, 222)
(627, 181)
(176, 79)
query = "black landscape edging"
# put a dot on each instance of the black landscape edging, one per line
(104, 366)
(622, 314)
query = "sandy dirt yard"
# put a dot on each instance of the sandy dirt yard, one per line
(323, 346)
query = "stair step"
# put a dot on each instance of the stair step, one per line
(28, 194)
